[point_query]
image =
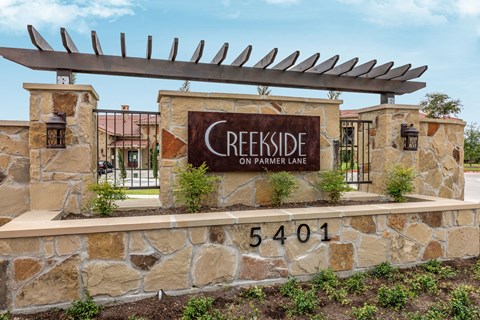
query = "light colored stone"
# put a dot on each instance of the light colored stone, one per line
(242, 195)
(381, 223)
(26, 268)
(364, 224)
(37, 138)
(263, 192)
(219, 105)
(180, 108)
(171, 274)
(342, 256)
(197, 235)
(295, 249)
(112, 279)
(465, 218)
(15, 200)
(63, 162)
(137, 242)
(167, 241)
(334, 226)
(433, 251)
(350, 235)
(440, 235)
(48, 196)
(372, 251)
(462, 242)
(270, 248)
(268, 230)
(397, 221)
(49, 249)
(254, 268)
(214, 264)
(19, 246)
(233, 180)
(403, 250)
(12, 146)
(20, 170)
(303, 193)
(310, 263)
(253, 108)
(67, 245)
(60, 284)
(240, 236)
(448, 219)
(106, 246)
(419, 232)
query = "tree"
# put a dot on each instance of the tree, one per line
(332, 94)
(472, 144)
(154, 156)
(185, 86)
(121, 163)
(440, 105)
(264, 90)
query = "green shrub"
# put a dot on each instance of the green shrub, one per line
(433, 313)
(435, 267)
(333, 182)
(304, 301)
(355, 284)
(105, 195)
(326, 278)
(254, 292)
(289, 288)
(460, 306)
(337, 294)
(85, 309)
(121, 164)
(193, 185)
(282, 184)
(4, 316)
(383, 270)
(198, 308)
(395, 297)
(424, 283)
(476, 270)
(367, 312)
(399, 181)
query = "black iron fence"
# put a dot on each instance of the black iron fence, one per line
(354, 151)
(128, 148)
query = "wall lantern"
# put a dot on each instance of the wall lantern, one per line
(56, 126)
(410, 137)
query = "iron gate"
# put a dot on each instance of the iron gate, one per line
(354, 151)
(127, 147)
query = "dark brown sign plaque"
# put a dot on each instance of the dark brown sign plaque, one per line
(253, 142)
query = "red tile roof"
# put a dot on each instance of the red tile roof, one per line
(125, 124)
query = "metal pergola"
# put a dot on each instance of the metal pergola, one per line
(348, 76)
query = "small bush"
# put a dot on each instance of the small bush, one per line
(333, 182)
(367, 312)
(4, 316)
(326, 278)
(283, 184)
(460, 305)
(395, 297)
(193, 185)
(198, 308)
(424, 283)
(337, 294)
(355, 284)
(399, 182)
(289, 288)
(106, 193)
(433, 313)
(476, 270)
(254, 293)
(435, 267)
(85, 309)
(304, 301)
(383, 270)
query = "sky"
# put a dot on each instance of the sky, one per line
(443, 34)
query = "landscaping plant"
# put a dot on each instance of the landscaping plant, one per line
(121, 164)
(383, 270)
(304, 302)
(193, 185)
(461, 307)
(254, 292)
(4, 316)
(332, 182)
(85, 309)
(395, 297)
(399, 181)
(289, 288)
(367, 312)
(282, 184)
(105, 195)
(355, 284)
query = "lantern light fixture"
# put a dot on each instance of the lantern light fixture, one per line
(410, 137)
(56, 127)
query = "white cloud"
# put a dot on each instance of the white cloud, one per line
(15, 15)
(282, 2)
(468, 7)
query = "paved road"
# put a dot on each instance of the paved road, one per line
(472, 187)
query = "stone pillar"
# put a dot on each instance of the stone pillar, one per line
(60, 177)
(386, 144)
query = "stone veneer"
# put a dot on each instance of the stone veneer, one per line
(14, 170)
(247, 188)
(59, 178)
(51, 263)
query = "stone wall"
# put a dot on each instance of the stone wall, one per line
(239, 187)
(51, 270)
(14, 170)
(441, 148)
(60, 177)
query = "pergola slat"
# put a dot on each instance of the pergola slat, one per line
(412, 74)
(267, 60)
(325, 65)
(343, 68)
(123, 45)
(395, 72)
(287, 62)
(361, 69)
(173, 50)
(67, 41)
(221, 55)
(149, 47)
(37, 39)
(97, 48)
(307, 63)
(242, 57)
(380, 70)
(197, 55)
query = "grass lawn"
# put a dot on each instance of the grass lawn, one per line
(142, 191)
(474, 167)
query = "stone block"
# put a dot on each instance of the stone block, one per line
(171, 274)
(462, 242)
(63, 161)
(214, 264)
(403, 250)
(19, 246)
(233, 180)
(372, 250)
(38, 136)
(364, 224)
(167, 241)
(219, 105)
(198, 235)
(60, 284)
(109, 246)
(465, 218)
(137, 242)
(143, 262)
(253, 268)
(20, 170)
(241, 195)
(293, 107)
(263, 192)
(381, 223)
(270, 248)
(341, 256)
(419, 232)
(180, 108)
(217, 235)
(66, 103)
(397, 221)
(112, 279)
(26, 268)
(172, 147)
(48, 195)
(240, 236)
(440, 235)
(433, 251)
(350, 235)
(295, 249)
(252, 108)
(432, 219)
(15, 199)
(67, 245)
(14, 147)
(310, 263)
